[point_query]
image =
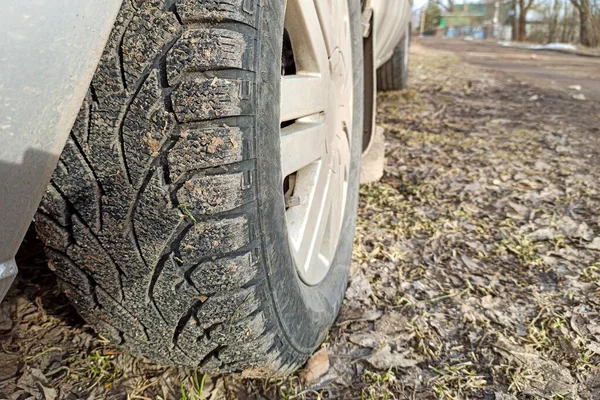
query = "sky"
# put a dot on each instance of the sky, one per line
(419, 3)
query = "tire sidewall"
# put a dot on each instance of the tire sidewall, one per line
(304, 313)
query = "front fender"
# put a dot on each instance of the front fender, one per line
(49, 50)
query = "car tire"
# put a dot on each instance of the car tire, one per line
(393, 75)
(166, 221)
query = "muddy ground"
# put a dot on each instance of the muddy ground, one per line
(549, 69)
(476, 270)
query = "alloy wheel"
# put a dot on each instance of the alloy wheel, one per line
(316, 120)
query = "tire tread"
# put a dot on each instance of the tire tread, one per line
(162, 255)
(392, 74)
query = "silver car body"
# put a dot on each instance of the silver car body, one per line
(49, 52)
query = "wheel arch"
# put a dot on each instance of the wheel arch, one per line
(49, 57)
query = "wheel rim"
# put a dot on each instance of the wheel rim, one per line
(316, 117)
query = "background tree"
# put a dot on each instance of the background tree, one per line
(552, 14)
(596, 21)
(524, 7)
(568, 24)
(448, 5)
(586, 31)
(513, 20)
(433, 13)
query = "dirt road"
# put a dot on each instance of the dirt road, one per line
(541, 68)
(475, 274)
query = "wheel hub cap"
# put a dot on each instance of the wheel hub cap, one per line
(316, 110)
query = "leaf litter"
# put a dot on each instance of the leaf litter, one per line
(476, 266)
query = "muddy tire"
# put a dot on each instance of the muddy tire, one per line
(165, 219)
(393, 75)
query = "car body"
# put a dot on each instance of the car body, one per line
(50, 50)
(391, 18)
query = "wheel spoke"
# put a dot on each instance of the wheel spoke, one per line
(301, 144)
(302, 95)
(339, 187)
(316, 209)
(330, 16)
(314, 257)
(304, 28)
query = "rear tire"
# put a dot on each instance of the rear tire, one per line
(393, 75)
(165, 218)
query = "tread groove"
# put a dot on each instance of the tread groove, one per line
(90, 278)
(217, 72)
(206, 359)
(74, 211)
(125, 110)
(157, 269)
(240, 251)
(121, 56)
(224, 169)
(97, 180)
(147, 178)
(93, 93)
(173, 8)
(184, 320)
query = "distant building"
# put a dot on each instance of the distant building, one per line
(489, 20)
(480, 20)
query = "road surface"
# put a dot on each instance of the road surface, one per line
(542, 68)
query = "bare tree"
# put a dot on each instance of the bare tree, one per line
(515, 28)
(568, 23)
(560, 22)
(553, 15)
(524, 7)
(596, 21)
(447, 5)
(586, 32)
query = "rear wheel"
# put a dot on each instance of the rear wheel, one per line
(203, 209)
(393, 75)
